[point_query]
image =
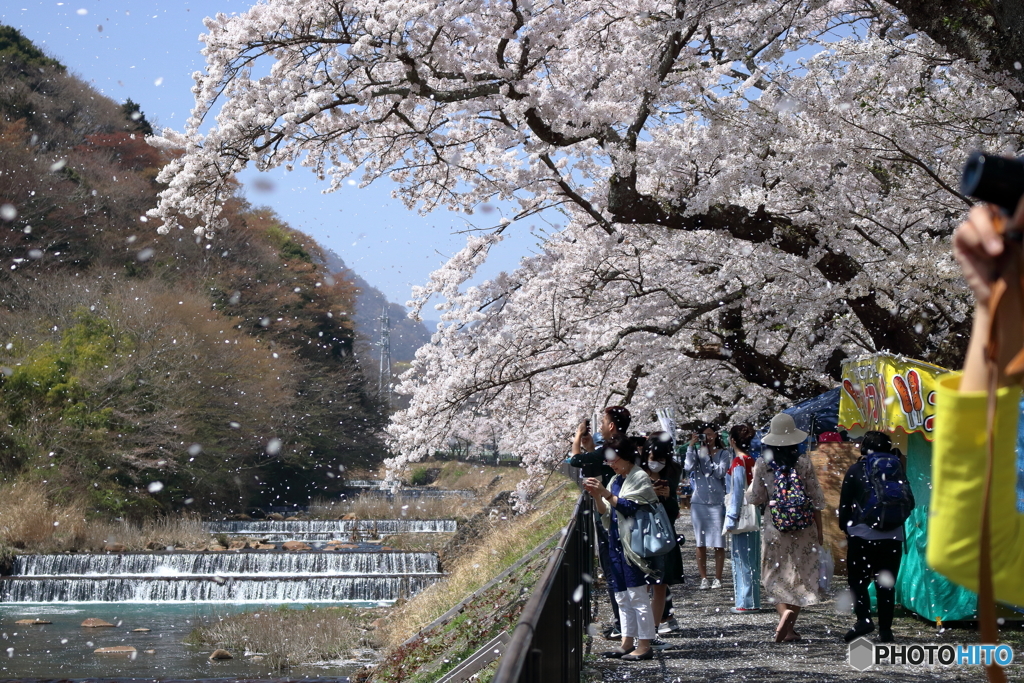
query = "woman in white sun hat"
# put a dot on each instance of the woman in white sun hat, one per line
(785, 480)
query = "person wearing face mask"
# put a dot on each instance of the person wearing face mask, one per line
(706, 464)
(665, 474)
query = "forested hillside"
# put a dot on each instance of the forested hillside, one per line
(143, 373)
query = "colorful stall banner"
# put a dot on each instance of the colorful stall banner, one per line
(887, 393)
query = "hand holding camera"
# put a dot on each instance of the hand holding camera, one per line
(988, 247)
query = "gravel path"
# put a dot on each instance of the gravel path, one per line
(716, 645)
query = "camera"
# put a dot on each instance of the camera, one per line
(993, 179)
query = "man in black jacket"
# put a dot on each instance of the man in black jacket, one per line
(871, 513)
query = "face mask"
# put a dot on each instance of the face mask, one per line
(655, 466)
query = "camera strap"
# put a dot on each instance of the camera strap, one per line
(1010, 276)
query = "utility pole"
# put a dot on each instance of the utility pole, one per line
(384, 374)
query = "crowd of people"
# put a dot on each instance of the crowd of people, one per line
(770, 507)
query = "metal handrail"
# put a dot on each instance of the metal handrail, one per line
(547, 644)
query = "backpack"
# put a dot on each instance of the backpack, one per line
(890, 500)
(791, 510)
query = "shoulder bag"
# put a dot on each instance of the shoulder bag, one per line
(653, 533)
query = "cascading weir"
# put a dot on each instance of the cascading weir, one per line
(244, 576)
(328, 529)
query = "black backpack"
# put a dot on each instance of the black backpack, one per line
(890, 500)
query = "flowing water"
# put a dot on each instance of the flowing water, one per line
(329, 529)
(64, 649)
(261, 576)
(169, 592)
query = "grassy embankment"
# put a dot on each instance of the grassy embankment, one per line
(31, 522)
(408, 652)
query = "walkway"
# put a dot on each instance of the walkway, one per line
(715, 645)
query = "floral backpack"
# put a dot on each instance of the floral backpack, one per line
(791, 510)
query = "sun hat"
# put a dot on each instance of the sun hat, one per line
(783, 432)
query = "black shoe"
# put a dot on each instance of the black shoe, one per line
(613, 654)
(861, 628)
(636, 658)
(885, 635)
(611, 633)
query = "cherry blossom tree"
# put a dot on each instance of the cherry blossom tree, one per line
(753, 191)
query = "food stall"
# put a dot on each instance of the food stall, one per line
(897, 396)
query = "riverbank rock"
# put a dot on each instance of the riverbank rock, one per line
(238, 544)
(115, 650)
(276, 516)
(93, 622)
(114, 548)
(141, 630)
(32, 622)
(339, 545)
(265, 546)
(295, 545)
(221, 654)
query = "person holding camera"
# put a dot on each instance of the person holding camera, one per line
(874, 502)
(592, 463)
(960, 457)
(706, 463)
(627, 572)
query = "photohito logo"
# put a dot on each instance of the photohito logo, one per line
(864, 654)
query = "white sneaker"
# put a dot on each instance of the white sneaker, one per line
(716, 584)
(704, 584)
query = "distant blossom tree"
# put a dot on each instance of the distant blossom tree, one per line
(753, 191)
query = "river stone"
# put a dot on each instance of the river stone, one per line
(276, 516)
(265, 546)
(115, 650)
(221, 654)
(93, 622)
(295, 545)
(32, 622)
(114, 548)
(238, 544)
(141, 630)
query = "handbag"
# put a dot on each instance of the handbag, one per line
(653, 533)
(746, 523)
(826, 569)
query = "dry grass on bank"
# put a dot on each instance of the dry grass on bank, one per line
(32, 522)
(483, 480)
(372, 505)
(286, 636)
(506, 542)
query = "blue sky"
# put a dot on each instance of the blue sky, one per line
(147, 50)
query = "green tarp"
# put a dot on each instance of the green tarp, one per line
(918, 588)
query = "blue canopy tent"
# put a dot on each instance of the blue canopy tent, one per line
(814, 416)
